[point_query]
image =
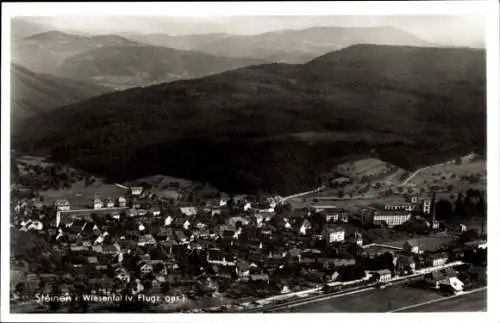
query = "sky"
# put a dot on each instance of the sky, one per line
(462, 30)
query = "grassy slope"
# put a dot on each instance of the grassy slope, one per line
(34, 93)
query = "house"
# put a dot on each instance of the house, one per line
(336, 215)
(155, 211)
(180, 236)
(444, 277)
(122, 274)
(132, 212)
(358, 239)
(165, 234)
(136, 190)
(384, 275)
(331, 263)
(436, 259)
(96, 204)
(181, 222)
(35, 225)
(305, 227)
(260, 278)
(234, 220)
(121, 202)
(216, 256)
(227, 272)
(109, 202)
(405, 264)
(188, 210)
(243, 269)
(247, 206)
(77, 247)
(92, 261)
(110, 249)
(146, 268)
(146, 240)
(62, 205)
(411, 246)
(168, 220)
(344, 262)
(477, 244)
(334, 234)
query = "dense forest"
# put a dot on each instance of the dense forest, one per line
(277, 126)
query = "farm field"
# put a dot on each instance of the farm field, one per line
(385, 300)
(79, 195)
(450, 173)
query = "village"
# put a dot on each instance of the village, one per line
(228, 250)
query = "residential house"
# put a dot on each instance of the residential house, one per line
(122, 274)
(181, 222)
(232, 221)
(155, 211)
(92, 261)
(168, 220)
(477, 244)
(165, 234)
(35, 225)
(405, 264)
(145, 268)
(132, 212)
(436, 259)
(180, 237)
(109, 202)
(243, 269)
(226, 272)
(136, 191)
(189, 210)
(216, 256)
(62, 205)
(110, 249)
(260, 278)
(384, 275)
(412, 246)
(305, 227)
(334, 234)
(146, 240)
(121, 202)
(96, 204)
(446, 277)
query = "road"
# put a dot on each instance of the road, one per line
(471, 302)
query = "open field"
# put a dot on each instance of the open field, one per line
(367, 167)
(385, 300)
(474, 302)
(450, 173)
(80, 195)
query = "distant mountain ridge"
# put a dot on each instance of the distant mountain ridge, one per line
(44, 52)
(33, 94)
(126, 66)
(286, 46)
(21, 28)
(277, 126)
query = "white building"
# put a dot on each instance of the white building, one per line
(62, 205)
(334, 234)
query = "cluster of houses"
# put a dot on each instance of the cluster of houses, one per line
(151, 245)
